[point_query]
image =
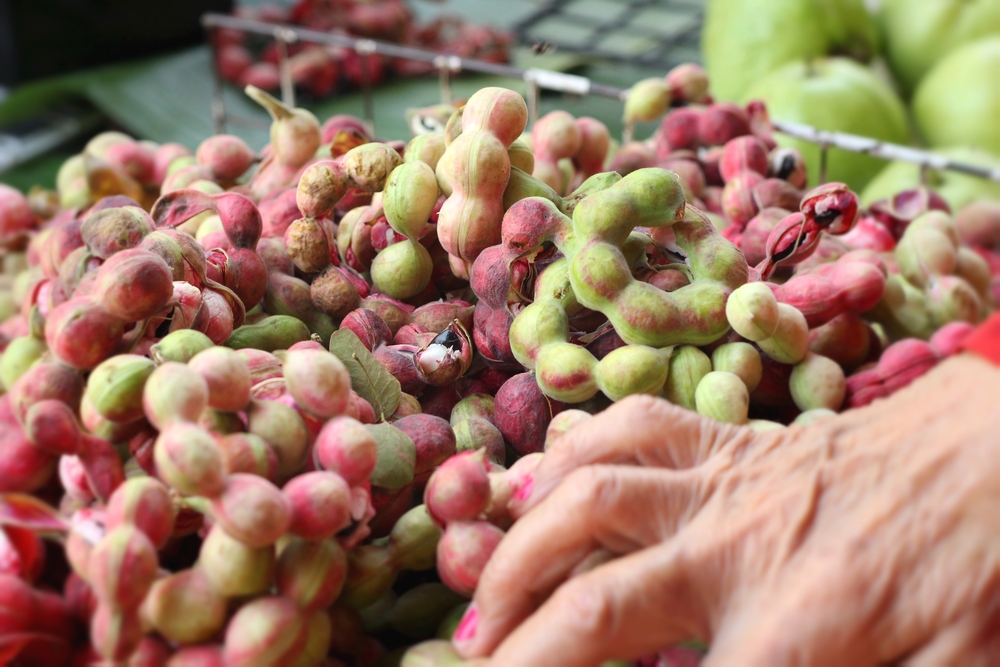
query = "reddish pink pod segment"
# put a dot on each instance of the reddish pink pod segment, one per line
(134, 284)
(832, 206)
(463, 551)
(321, 505)
(459, 489)
(743, 154)
(522, 413)
(722, 122)
(143, 502)
(679, 130)
(901, 363)
(252, 510)
(16, 219)
(80, 333)
(851, 287)
(434, 440)
(226, 155)
(346, 447)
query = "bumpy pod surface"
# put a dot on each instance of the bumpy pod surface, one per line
(476, 167)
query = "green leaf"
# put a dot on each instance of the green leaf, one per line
(369, 378)
(397, 457)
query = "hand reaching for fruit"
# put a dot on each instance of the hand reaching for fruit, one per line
(863, 539)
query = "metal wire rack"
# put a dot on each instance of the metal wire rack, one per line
(536, 81)
(655, 33)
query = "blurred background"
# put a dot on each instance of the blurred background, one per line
(917, 72)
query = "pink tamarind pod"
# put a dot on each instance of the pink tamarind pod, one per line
(459, 489)
(832, 206)
(791, 241)
(743, 154)
(82, 334)
(854, 287)
(346, 447)
(143, 502)
(901, 363)
(463, 551)
(320, 505)
(434, 440)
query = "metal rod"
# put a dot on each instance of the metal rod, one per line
(218, 92)
(578, 85)
(282, 38)
(365, 48)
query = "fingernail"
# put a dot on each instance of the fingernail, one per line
(466, 629)
(525, 491)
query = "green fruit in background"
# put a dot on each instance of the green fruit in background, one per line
(743, 40)
(916, 34)
(835, 94)
(958, 102)
(956, 188)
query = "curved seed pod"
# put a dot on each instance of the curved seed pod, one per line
(723, 396)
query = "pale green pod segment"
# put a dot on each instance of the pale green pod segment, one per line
(540, 324)
(633, 369)
(21, 354)
(565, 372)
(741, 359)
(521, 156)
(817, 382)
(688, 365)
(723, 397)
(647, 100)
(764, 425)
(427, 148)
(790, 341)
(752, 311)
(812, 416)
(115, 387)
(402, 270)
(521, 185)
(408, 199)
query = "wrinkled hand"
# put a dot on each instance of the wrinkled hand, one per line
(872, 537)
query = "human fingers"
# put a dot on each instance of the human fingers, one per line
(638, 430)
(616, 508)
(625, 609)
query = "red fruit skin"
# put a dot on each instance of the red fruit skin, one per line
(389, 507)
(51, 426)
(278, 210)
(901, 363)
(345, 447)
(81, 603)
(459, 489)
(252, 510)
(434, 439)
(948, 339)
(122, 567)
(722, 122)
(16, 219)
(145, 503)
(678, 130)
(283, 639)
(523, 413)
(24, 468)
(81, 334)
(115, 633)
(22, 553)
(399, 360)
(321, 505)
(439, 401)
(851, 287)
(311, 574)
(741, 154)
(772, 390)
(204, 655)
(463, 551)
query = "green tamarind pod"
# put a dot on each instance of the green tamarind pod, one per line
(764, 425)
(521, 156)
(522, 185)
(790, 341)
(553, 284)
(402, 270)
(414, 539)
(723, 396)
(115, 387)
(369, 165)
(427, 148)
(817, 382)
(953, 299)
(540, 324)
(409, 198)
(633, 369)
(450, 622)
(418, 612)
(938, 220)
(814, 415)
(21, 354)
(924, 253)
(644, 198)
(752, 311)
(741, 359)
(565, 372)
(288, 295)
(647, 100)
(688, 365)
(592, 185)
(278, 332)
(180, 346)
